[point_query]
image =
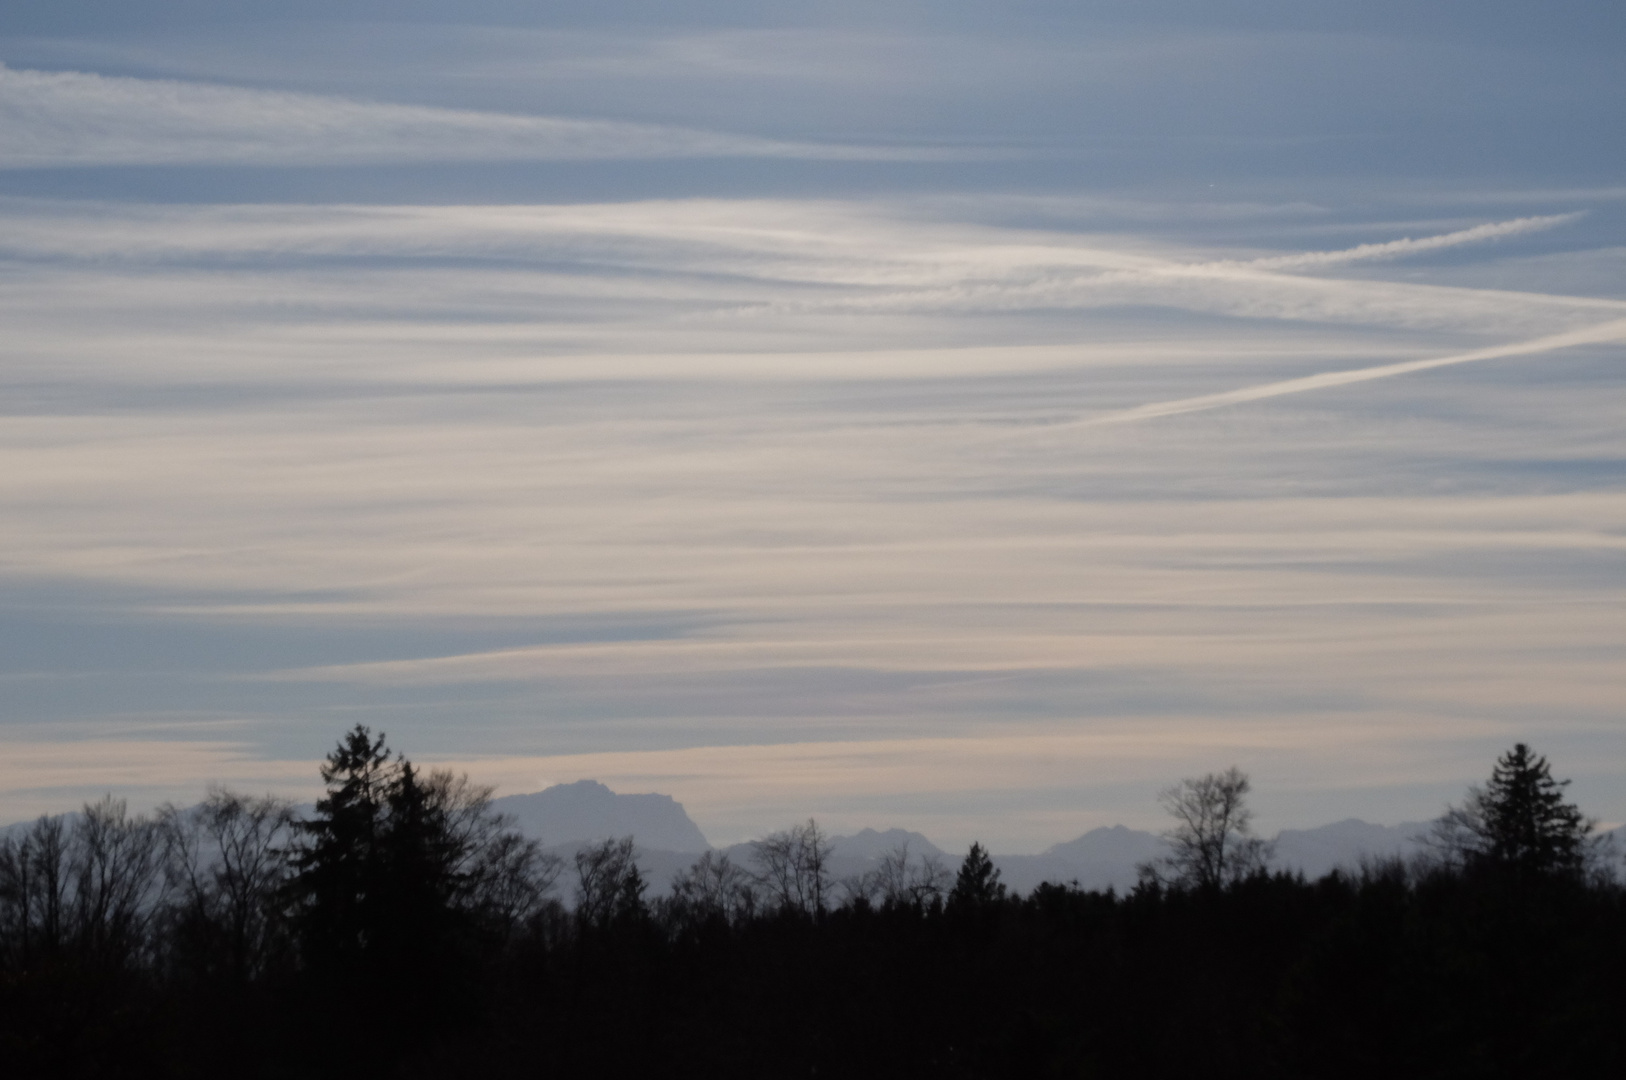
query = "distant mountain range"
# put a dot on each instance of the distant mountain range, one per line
(567, 816)
(1108, 857)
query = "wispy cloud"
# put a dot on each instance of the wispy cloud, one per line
(737, 264)
(1605, 333)
(45, 773)
(77, 118)
(1396, 249)
(781, 427)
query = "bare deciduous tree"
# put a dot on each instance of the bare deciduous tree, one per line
(713, 887)
(227, 863)
(503, 877)
(118, 886)
(1211, 843)
(900, 881)
(91, 888)
(511, 880)
(36, 881)
(793, 866)
(609, 885)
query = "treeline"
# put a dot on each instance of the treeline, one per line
(406, 930)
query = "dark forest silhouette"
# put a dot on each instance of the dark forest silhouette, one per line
(407, 930)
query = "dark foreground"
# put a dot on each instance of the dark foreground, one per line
(1389, 975)
(406, 931)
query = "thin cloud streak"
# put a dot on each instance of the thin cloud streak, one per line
(1602, 334)
(55, 119)
(1396, 249)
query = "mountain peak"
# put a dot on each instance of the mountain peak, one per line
(1110, 843)
(873, 843)
(586, 811)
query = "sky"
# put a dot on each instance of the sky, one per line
(963, 417)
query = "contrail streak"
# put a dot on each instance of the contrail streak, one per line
(1592, 335)
(1395, 249)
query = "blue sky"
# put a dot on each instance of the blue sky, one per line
(917, 414)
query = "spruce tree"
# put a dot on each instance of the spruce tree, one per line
(978, 880)
(338, 870)
(1519, 822)
(380, 898)
(1527, 823)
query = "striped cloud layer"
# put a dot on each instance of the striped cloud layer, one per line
(790, 506)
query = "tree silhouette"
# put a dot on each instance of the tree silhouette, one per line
(337, 871)
(1212, 843)
(609, 885)
(712, 888)
(900, 880)
(36, 891)
(794, 867)
(400, 881)
(1518, 822)
(91, 891)
(412, 938)
(978, 881)
(226, 864)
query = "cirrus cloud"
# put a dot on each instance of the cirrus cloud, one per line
(64, 118)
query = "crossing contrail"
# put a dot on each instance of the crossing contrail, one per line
(1613, 331)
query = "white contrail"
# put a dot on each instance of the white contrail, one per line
(1593, 335)
(1395, 249)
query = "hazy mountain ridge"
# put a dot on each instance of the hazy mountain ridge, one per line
(1317, 852)
(587, 811)
(1104, 857)
(565, 817)
(872, 844)
(1109, 856)
(568, 817)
